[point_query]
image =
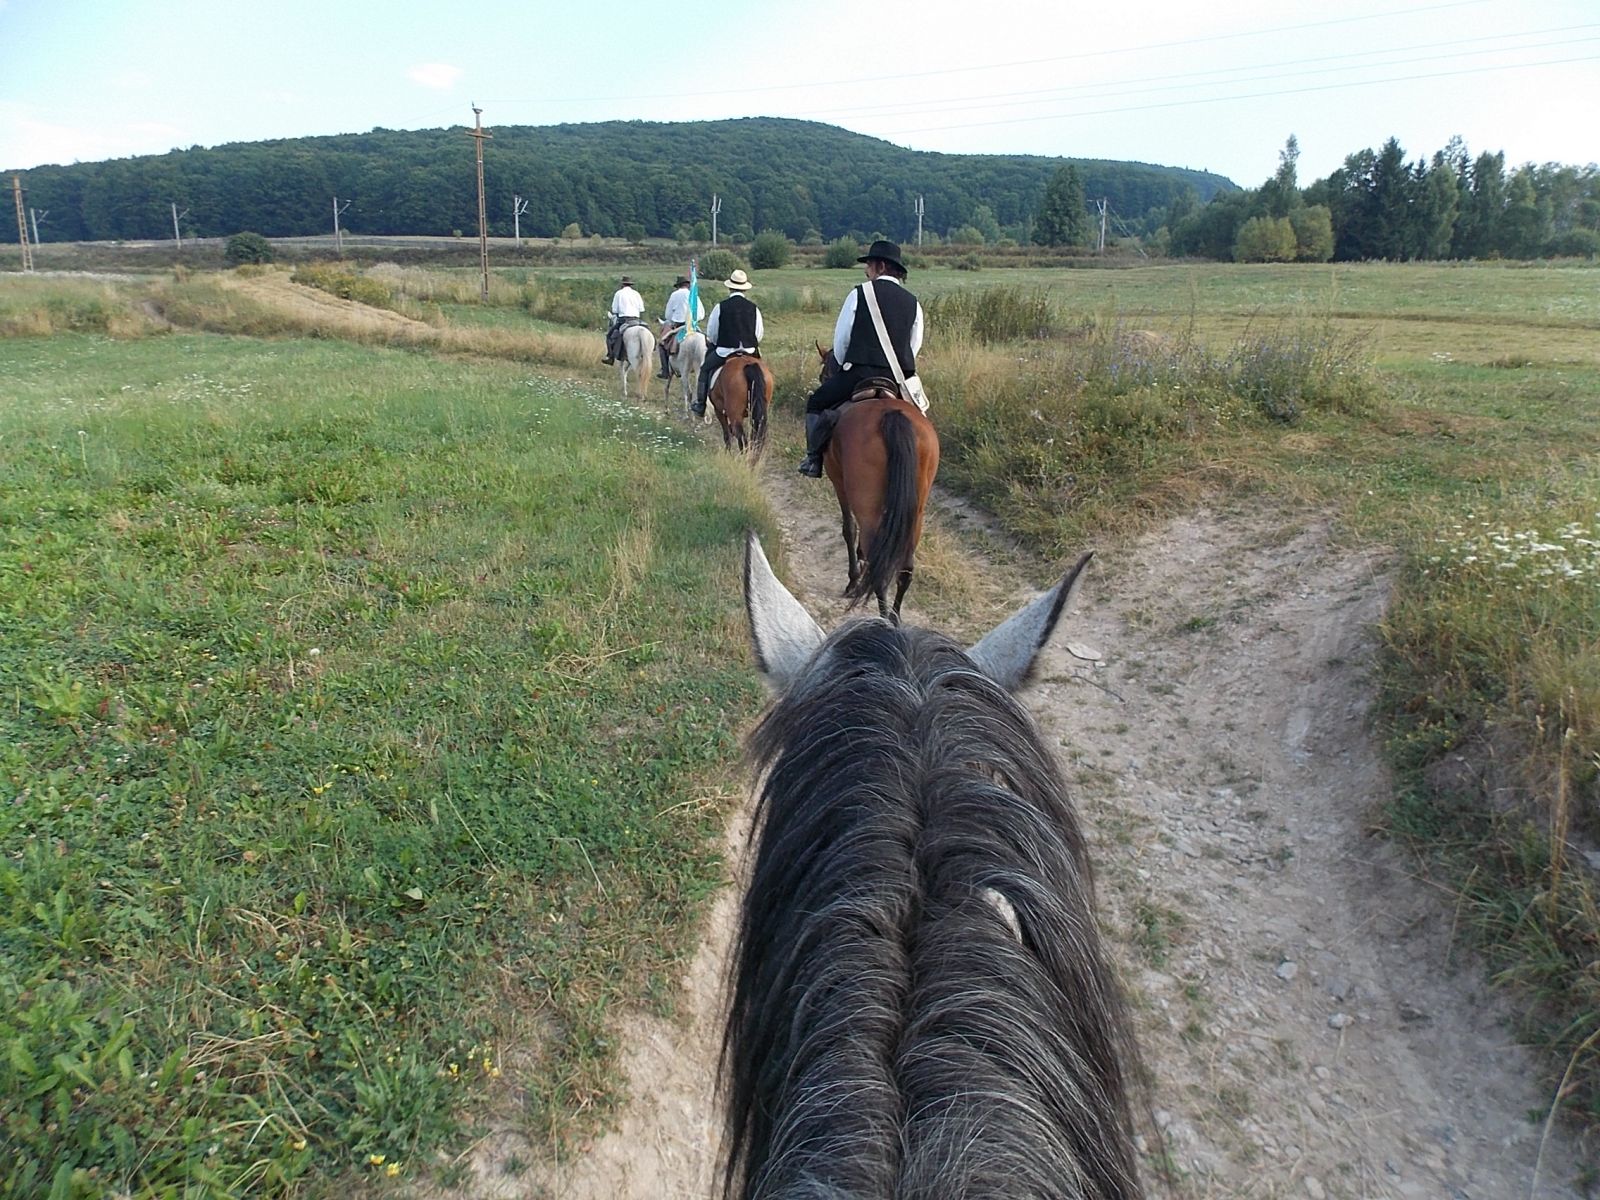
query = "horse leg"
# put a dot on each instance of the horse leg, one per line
(851, 546)
(900, 593)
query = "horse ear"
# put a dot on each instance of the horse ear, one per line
(781, 630)
(1007, 653)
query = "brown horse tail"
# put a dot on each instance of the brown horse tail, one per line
(756, 401)
(892, 547)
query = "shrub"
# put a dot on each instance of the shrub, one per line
(1575, 243)
(769, 251)
(634, 232)
(967, 235)
(841, 253)
(996, 314)
(1265, 239)
(247, 248)
(718, 264)
(572, 232)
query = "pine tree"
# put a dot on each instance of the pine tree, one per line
(1062, 220)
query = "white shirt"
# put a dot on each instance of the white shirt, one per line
(627, 303)
(725, 351)
(677, 310)
(847, 321)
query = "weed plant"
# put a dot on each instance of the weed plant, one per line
(1492, 682)
(364, 737)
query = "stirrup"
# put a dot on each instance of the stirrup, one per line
(811, 466)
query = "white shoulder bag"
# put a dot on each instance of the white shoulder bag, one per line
(910, 385)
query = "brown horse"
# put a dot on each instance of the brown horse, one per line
(881, 460)
(743, 389)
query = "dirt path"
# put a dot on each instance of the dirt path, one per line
(1307, 1026)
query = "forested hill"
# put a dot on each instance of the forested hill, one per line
(616, 178)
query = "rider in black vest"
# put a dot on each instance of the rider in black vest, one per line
(859, 349)
(733, 327)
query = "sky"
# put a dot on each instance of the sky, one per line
(1217, 87)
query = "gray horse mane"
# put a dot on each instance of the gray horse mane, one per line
(888, 1034)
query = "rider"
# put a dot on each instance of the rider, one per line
(734, 327)
(627, 306)
(858, 349)
(673, 318)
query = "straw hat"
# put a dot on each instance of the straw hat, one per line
(738, 282)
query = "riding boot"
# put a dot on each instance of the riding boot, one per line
(666, 369)
(707, 370)
(818, 426)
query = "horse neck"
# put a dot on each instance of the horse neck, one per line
(903, 785)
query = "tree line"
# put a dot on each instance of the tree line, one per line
(1380, 206)
(808, 181)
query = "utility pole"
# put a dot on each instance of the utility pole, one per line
(22, 224)
(338, 235)
(176, 216)
(919, 222)
(478, 135)
(716, 207)
(36, 216)
(1103, 202)
(518, 207)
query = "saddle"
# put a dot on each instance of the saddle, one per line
(876, 387)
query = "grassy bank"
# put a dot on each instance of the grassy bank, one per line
(365, 728)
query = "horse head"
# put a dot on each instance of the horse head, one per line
(830, 364)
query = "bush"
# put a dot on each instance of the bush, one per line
(718, 264)
(1575, 243)
(247, 248)
(769, 251)
(841, 253)
(1265, 239)
(634, 232)
(345, 283)
(572, 232)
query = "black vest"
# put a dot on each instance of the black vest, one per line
(736, 323)
(899, 308)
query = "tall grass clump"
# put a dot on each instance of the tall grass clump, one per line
(39, 307)
(345, 282)
(1492, 689)
(1053, 435)
(996, 314)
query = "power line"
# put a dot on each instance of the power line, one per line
(1328, 87)
(1000, 66)
(1199, 78)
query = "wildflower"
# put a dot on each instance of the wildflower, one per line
(376, 1160)
(392, 1170)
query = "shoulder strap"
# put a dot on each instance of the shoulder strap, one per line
(883, 336)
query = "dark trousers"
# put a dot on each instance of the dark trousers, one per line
(836, 389)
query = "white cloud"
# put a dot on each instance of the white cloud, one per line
(439, 77)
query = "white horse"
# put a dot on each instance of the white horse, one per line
(638, 348)
(686, 363)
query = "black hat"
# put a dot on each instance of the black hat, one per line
(626, 281)
(887, 251)
(683, 281)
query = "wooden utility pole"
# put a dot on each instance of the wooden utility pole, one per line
(22, 224)
(478, 135)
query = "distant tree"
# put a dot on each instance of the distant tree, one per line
(1265, 239)
(1438, 201)
(1062, 220)
(967, 235)
(770, 250)
(1313, 233)
(1389, 215)
(1574, 243)
(572, 232)
(1522, 230)
(634, 232)
(1280, 195)
(841, 253)
(983, 220)
(1484, 207)
(247, 248)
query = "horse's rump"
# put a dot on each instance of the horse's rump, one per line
(889, 1035)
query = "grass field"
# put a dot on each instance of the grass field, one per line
(364, 715)
(243, 579)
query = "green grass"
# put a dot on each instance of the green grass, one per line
(365, 723)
